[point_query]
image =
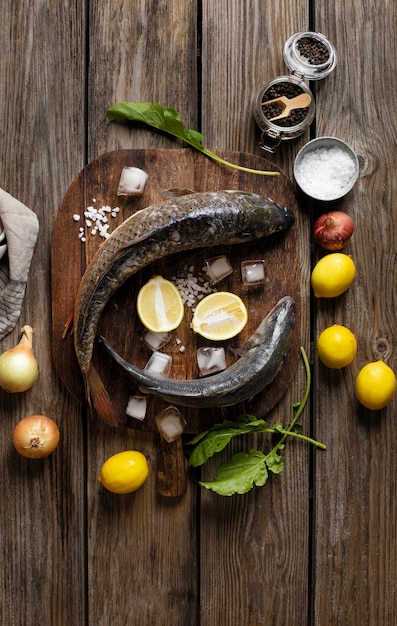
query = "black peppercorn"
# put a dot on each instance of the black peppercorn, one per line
(313, 50)
(290, 90)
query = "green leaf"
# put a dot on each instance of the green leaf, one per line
(168, 121)
(244, 470)
(274, 461)
(216, 438)
(240, 474)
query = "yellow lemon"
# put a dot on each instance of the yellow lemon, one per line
(336, 346)
(220, 315)
(332, 275)
(160, 305)
(124, 472)
(375, 385)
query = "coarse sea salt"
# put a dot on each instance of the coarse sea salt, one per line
(96, 220)
(324, 172)
(192, 286)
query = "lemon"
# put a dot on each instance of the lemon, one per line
(160, 305)
(124, 472)
(332, 275)
(220, 315)
(336, 346)
(375, 385)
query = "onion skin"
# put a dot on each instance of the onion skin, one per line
(333, 230)
(35, 437)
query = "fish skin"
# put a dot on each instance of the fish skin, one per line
(194, 221)
(261, 360)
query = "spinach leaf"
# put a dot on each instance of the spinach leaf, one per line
(240, 474)
(244, 470)
(168, 121)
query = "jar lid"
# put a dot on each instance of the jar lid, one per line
(310, 55)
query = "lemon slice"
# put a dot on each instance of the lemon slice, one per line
(160, 305)
(218, 316)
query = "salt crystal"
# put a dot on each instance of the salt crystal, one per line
(253, 272)
(155, 341)
(159, 364)
(218, 268)
(132, 182)
(136, 407)
(211, 360)
(170, 423)
(76, 217)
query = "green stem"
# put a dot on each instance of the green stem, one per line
(304, 438)
(214, 156)
(301, 406)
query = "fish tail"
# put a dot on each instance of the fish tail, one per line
(100, 397)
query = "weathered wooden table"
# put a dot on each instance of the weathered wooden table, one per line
(318, 543)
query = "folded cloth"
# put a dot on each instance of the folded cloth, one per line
(21, 228)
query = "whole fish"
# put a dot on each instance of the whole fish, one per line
(190, 222)
(260, 361)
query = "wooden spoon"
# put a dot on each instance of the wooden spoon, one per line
(289, 104)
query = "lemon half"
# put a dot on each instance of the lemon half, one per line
(219, 316)
(160, 305)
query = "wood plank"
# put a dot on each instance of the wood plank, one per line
(42, 514)
(148, 565)
(355, 502)
(254, 548)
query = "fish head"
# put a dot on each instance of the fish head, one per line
(263, 217)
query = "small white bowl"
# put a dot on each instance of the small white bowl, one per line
(326, 168)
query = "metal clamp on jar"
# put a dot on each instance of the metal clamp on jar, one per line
(285, 107)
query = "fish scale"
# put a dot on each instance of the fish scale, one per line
(194, 221)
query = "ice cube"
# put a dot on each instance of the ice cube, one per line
(170, 423)
(159, 364)
(218, 268)
(211, 360)
(136, 407)
(155, 341)
(132, 182)
(253, 272)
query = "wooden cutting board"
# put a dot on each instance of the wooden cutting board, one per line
(96, 185)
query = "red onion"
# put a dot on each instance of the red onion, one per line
(333, 230)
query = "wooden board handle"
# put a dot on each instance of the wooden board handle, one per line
(171, 469)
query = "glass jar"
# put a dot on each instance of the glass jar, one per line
(309, 56)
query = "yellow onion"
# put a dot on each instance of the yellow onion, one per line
(35, 436)
(18, 366)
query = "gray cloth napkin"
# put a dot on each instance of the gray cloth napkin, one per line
(21, 228)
